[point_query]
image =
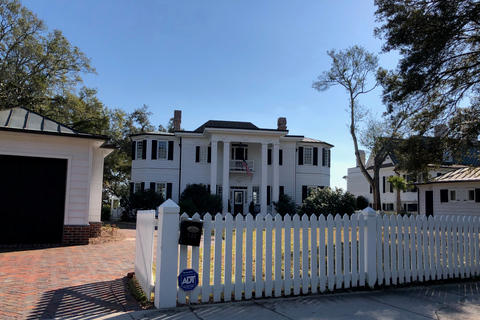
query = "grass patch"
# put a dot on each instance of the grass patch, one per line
(137, 292)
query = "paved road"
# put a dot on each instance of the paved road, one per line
(83, 282)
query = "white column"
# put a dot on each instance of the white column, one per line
(213, 168)
(276, 187)
(263, 185)
(167, 255)
(226, 176)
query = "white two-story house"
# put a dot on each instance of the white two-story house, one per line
(237, 160)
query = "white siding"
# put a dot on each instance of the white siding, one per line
(82, 192)
(460, 207)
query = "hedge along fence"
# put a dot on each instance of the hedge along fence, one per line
(244, 258)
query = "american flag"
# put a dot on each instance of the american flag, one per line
(249, 173)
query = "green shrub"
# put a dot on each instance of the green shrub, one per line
(106, 210)
(285, 205)
(196, 198)
(362, 203)
(142, 200)
(327, 201)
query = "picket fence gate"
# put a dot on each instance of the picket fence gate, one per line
(243, 257)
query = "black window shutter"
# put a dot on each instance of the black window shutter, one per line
(391, 188)
(269, 156)
(383, 206)
(329, 157)
(208, 188)
(209, 156)
(300, 156)
(280, 157)
(152, 186)
(132, 187)
(324, 157)
(197, 154)
(443, 195)
(383, 184)
(315, 156)
(371, 191)
(170, 150)
(169, 190)
(142, 186)
(154, 149)
(477, 195)
(304, 192)
(144, 150)
(282, 189)
(134, 148)
(268, 196)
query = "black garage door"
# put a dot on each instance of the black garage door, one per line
(32, 199)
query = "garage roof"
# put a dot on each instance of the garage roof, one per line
(21, 119)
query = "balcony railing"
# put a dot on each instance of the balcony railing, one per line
(238, 165)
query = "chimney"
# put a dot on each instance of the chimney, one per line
(362, 157)
(282, 123)
(177, 120)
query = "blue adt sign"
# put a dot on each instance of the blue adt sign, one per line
(188, 279)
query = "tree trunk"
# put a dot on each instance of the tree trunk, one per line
(399, 203)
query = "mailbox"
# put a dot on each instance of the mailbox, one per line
(190, 232)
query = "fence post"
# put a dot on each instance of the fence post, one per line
(370, 246)
(167, 255)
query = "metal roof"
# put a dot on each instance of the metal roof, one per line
(24, 120)
(464, 174)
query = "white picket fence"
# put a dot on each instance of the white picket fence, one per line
(144, 244)
(240, 258)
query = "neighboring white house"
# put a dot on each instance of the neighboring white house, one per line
(358, 185)
(454, 193)
(51, 185)
(237, 160)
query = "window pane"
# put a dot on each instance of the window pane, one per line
(138, 187)
(162, 189)
(471, 195)
(256, 195)
(307, 155)
(162, 150)
(139, 149)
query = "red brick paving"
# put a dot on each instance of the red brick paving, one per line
(67, 282)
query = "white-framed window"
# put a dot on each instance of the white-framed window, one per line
(137, 186)
(202, 154)
(139, 150)
(308, 155)
(219, 190)
(256, 194)
(470, 194)
(162, 149)
(452, 195)
(161, 188)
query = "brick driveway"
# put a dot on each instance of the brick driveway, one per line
(83, 282)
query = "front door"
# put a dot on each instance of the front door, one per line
(238, 202)
(429, 203)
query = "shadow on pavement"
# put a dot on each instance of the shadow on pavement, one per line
(88, 301)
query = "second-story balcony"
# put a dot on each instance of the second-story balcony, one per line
(239, 166)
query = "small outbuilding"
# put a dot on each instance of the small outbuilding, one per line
(51, 180)
(454, 193)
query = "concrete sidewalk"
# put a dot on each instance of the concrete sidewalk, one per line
(441, 302)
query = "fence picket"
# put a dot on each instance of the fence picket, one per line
(443, 246)
(195, 261)
(217, 266)
(476, 247)
(322, 257)
(471, 259)
(379, 249)
(207, 240)
(296, 254)
(338, 251)
(330, 257)
(347, 273)
(393, 250)
(305, 251)
(313, 249)
(406, 249)
(449, 249)
(278, 255)
(250, 225)
(227, 282)
(239, 284)
(385, 262)
(431, 247)
(461, 246)
(419, 245)
(287, 255)
(361, 246)
(400, 249)
(268, 256)
(354, 251)
(413, 248)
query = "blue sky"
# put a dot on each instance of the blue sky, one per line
(223, 60)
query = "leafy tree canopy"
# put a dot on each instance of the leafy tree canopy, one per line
(439, 73)
(196, 198)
